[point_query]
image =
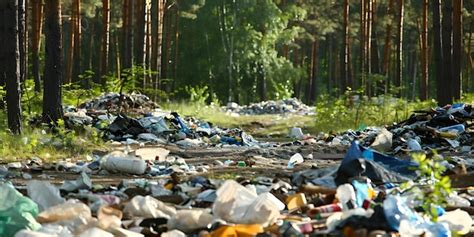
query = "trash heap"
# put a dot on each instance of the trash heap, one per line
(283, 107)
(446, 128)
(362, 196)
(110, 101)
(187, 132)
(160, 127)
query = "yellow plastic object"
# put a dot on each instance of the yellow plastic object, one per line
(295, 201)
(237, 231)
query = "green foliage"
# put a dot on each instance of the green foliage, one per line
(354, 109)
(432, 188)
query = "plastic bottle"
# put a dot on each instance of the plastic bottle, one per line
(413, 145)
(295, 159)
(314, 212)
(44, 194)
(119, 162)
(346, 195)
(396, 210)
(458, 128)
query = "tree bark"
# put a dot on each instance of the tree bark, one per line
(438, 49)
(22, 37)
(127, 36)
(37, 24)
(446, 84)
(388, 41)
(10, 61)
(148, 43)
(53, 74)
(158, 43)
(77, 67)
(457, 48)
(424, 53)
(345, 78)
(314, 66)
(363, 44)
(72, 41)
(104, 56)
(139, 27)
(399, 73)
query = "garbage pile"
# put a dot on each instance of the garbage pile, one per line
(160, 127)
(286, 106)
(446, 128)
(110, 102)
(360, 197)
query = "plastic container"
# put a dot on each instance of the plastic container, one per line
(295, 159)
(66, 211)
(237, 204)
(296, 133)
(458, 128)
(458, 221)
(346, 195)
(148, 207)
(118, 162)
(413, 145)
(44, 194)
(190, 220)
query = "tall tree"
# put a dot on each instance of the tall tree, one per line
(158, 42)
(139, 26)
(77, 67)
(457, 48)
(446, 85)
(10, 61)
(424, 52)
(347, 81)
(36, 26)
(399, 71)
(388, 41)
(53, 72)
(22, 37)
(104, 56)
(313, 70)
(127, 36)
(438, 50)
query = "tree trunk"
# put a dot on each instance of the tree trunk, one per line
(363, 44)
(139, 27)
(176, 47)
(438, 50)
(345, 79)
(387, 46)
(77, 67)
(158, 43)
(160, 5)
(52, 98)
(314, 66)
(424, 53)
(104, 56)
(446, 85)
(470, 62)
(10, 61)
(457, 48)
(37, 23)
(127, 36)
(148, 43)
(70, 52)
(167, 47)
(22, 37)
(368, 42)
(399, 73)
